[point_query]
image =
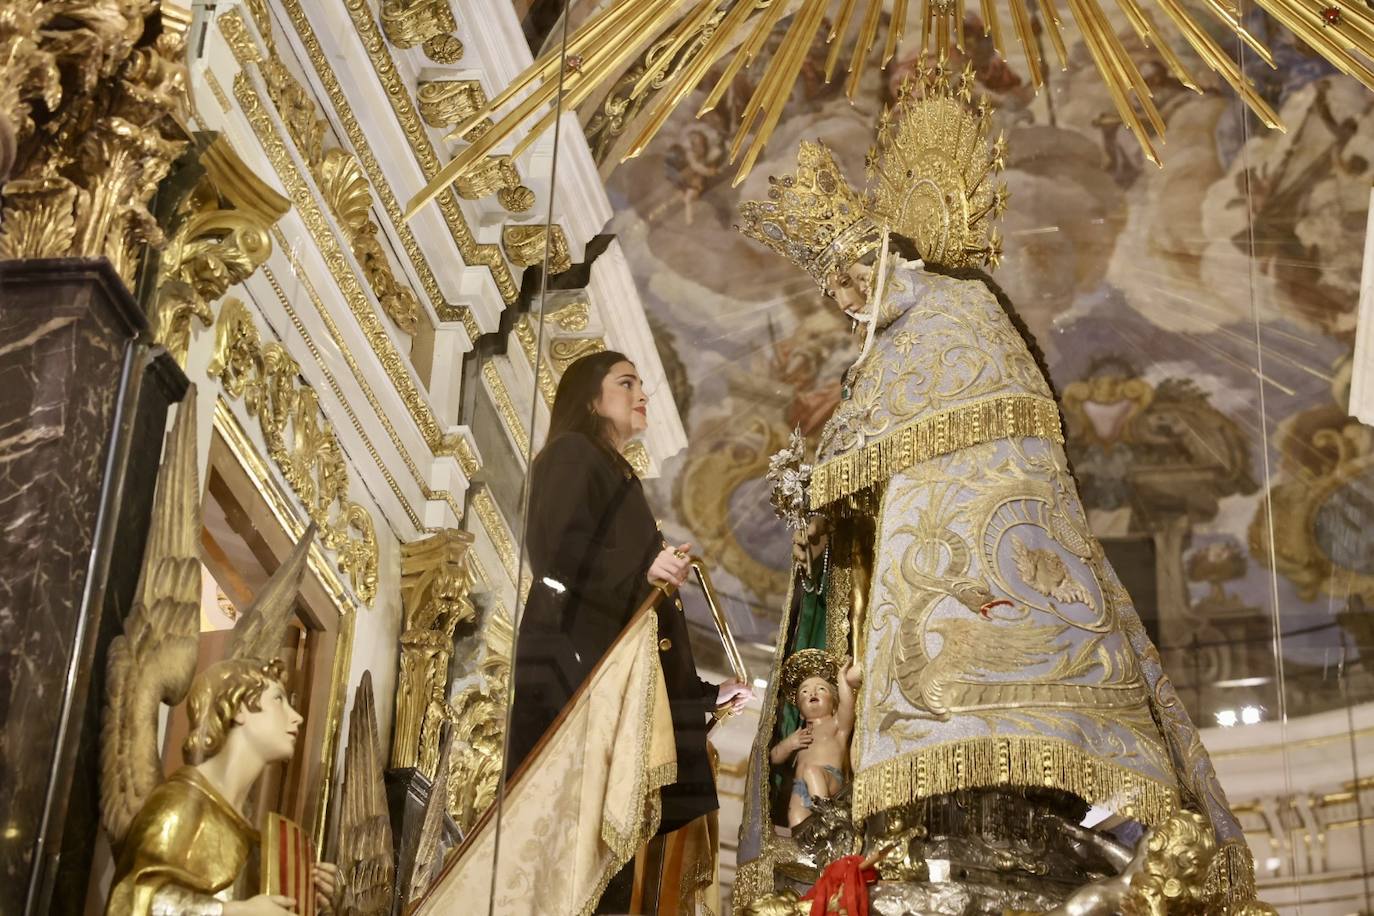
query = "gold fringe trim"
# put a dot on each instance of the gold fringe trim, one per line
(1005, 417)
(1013, 760)
(1231, 875)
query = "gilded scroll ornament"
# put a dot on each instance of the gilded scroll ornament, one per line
(445, 103)
(497, 175)
(366, 854)
(428, 23)
(524, 246)
(435, 581)
(573, 317)
(563, 353)
(82, 187)
(219, 236)
(300, 441)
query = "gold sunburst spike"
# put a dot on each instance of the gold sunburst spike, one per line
(897, 30)
(683, 32)
(804, 26)
(1054, 25)
(867, 34)
(992, 27)
(672, 95)
(1020, 18)
(839, 31)
(1228, 17)
(1304, 21)
(745, 53)
(1220, 62)
(1149, 34)
(927, 20)
(1110, 68)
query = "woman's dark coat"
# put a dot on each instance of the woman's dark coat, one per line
(591, 541)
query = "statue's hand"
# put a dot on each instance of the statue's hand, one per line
(261, 905)
(329, 886)
(854, 674)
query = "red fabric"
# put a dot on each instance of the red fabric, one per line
(849, 878)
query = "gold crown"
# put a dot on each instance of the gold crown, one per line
(808, 663)
(814, 219)
(932, 175)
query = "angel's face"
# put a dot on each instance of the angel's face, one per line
(815, 698)
(271, 729)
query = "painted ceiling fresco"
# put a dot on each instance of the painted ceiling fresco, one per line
(1198, 321)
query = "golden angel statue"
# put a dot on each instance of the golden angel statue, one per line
(1000, 652)
(180, 842)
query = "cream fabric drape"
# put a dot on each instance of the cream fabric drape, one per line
(584, 802)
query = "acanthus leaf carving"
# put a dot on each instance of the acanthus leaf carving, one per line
(299, 440)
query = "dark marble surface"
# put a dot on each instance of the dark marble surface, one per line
(162, 385)
(65, 328)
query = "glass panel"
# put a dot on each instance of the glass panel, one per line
(1196, 325)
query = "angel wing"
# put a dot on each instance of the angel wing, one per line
(262, 628)
(365, 851)
(154, 661)
(428, 849)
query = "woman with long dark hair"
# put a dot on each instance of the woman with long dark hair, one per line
(596, 552)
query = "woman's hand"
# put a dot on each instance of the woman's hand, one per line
(328, 881)
(671, 566)
(261, 905)
(736, 693)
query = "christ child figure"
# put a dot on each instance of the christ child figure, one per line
(821, 745)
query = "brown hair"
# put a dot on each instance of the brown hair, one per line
(574, 404)
(217, 694)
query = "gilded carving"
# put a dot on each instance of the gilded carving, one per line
(496, 175)
(435, 581)
(478, 715)
(497, 530)
(525, 244)
(448, 103)
(529, 345)
(428, 23)
(299, 440)
(317, 225)
(337, 174)
(82, 187)
(573, 317)
(398, 93)
(567, 351)
(363, 150)
(219, 236)
(506, 408)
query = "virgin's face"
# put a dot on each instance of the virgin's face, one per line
(270, 730)
(623, 401)
(849, 288)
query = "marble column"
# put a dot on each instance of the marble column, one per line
(70, 368)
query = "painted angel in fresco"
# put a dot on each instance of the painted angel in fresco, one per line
(1002, 658)
(181, 841)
